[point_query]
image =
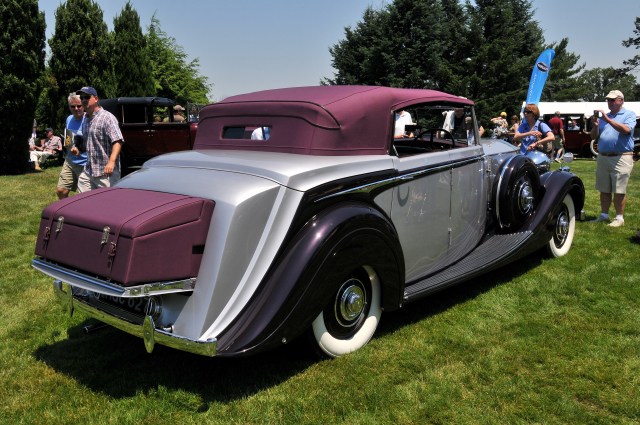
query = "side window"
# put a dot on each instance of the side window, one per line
(431, 128)
(134, 114)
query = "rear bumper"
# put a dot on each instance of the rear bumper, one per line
(147, 330)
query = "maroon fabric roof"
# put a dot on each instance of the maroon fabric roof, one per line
(319, 120)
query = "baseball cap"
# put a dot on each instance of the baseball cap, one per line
(49, 130)
(614, 94)
(88, 90)
(178, 108)
(503, 114)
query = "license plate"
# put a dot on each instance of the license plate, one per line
(137, 306)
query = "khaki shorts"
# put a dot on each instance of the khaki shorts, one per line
(69, 176)
(557, 143)
(87, 182)
(612, 173)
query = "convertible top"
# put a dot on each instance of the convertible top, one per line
(318, 120)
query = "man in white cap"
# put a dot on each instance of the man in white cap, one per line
(177, 114)
(614, 132)
(102, 140)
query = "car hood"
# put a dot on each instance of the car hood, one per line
(298, 172)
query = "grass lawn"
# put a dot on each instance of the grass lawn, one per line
(540, 341)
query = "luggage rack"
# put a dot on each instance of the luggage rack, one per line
(95, 284)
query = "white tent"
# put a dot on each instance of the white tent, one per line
(586, 108)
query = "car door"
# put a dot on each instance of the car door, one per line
(420, 211)
(467, 218)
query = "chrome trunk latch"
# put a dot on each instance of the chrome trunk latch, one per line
(60, 223)
(105, 234)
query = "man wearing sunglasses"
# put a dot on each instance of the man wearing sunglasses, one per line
(614, 132)
(75, 160)
(102, 140)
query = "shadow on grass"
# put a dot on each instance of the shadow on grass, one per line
(116, 364)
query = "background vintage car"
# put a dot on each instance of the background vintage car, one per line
(314, 227)
(578, 138)
(149, 128)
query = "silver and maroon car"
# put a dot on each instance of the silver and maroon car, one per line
(304, 210)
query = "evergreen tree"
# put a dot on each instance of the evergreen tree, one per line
(81, 48)
(633, 63)
(22, 38)
(562, 84)
(131, 64)
(506, 42)
(174, 77)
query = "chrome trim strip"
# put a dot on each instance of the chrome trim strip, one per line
(367, 188)
(497, 194)
(101, 286)
(147, 330)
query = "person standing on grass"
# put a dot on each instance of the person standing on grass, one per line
(558, 131)
(102, 140)
(75, 161)
(614, 132)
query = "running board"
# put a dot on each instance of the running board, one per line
(491, 254)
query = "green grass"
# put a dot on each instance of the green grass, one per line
(537, 342)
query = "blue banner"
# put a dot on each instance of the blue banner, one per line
(539, 76)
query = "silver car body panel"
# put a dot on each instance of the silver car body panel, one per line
(256, 195)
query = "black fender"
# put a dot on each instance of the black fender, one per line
(515, 173)
(555, 185)
(306, 275)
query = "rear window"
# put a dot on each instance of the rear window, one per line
(247, 132)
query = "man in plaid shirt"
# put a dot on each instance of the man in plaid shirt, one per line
(102, 140)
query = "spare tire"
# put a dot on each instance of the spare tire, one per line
(515, 193)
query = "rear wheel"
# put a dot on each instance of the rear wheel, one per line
(594, 147)
(564, 223)
(350, 319)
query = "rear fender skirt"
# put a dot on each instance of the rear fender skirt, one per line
(303, 280)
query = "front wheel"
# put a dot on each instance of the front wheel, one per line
(350, 319)
(564, 225)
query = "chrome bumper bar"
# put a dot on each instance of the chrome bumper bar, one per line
(94, 284)
(147, 331)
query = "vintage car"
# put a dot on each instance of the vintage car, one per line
(315, 226)
(149, 128)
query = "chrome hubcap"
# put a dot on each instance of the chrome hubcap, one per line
(525, 198)
(350, 303)
(562, 229)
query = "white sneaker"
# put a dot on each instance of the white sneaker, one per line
(617, 222)
(600, 219)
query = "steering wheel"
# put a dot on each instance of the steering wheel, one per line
(432, 131)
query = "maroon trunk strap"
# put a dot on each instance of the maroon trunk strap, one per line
(114, 244)
(73, 199)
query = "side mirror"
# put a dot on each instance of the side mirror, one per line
(568, 158)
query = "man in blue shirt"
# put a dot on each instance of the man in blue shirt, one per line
(614, 132)
(74, 164)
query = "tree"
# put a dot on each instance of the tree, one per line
(632, 64)
(81, 49)
(400, 45)
(598, 82)
(484, 51)
(505, 43)
(131, 63)
(174, 77)
(563, 83)
(22, 41)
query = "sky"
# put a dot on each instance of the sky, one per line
(250, 45)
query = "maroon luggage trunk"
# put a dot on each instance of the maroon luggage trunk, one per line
(128, 236)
